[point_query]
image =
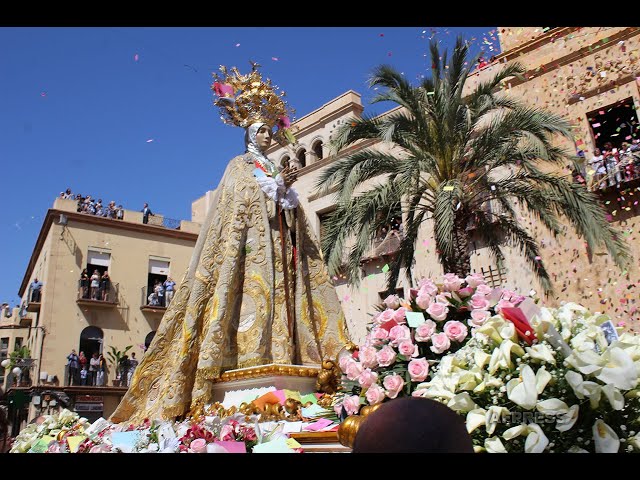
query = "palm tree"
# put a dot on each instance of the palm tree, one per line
(452, 156)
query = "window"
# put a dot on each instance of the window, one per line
(18, 343)
(323, 218)
(158, 272)
(614, 123)
(494, 276)
(302, 157)
(317, 149)
(99, 260)
(91, 342)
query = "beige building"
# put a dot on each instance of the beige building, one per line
(72, 314)
(580, 73)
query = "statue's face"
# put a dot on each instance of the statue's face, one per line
(263, 137)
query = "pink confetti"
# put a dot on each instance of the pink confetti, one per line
(275, 59)
(136, 57)
(43, 94)
(382, 34)
(150, 140)
(346, 298)
(538, 258)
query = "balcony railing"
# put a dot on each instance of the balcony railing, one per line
(102, 296)
(161, 221)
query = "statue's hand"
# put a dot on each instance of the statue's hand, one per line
(289, 175)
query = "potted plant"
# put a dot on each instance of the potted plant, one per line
(116, 356)
(19, 359)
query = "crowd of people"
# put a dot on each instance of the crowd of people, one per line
(94, 207)
(611, 166)
(84, 371)
(96, 286)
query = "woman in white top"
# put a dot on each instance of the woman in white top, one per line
(95, 284)
(599, 171)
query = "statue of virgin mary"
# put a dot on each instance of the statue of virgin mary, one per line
(256, 290)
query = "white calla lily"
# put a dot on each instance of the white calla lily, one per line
(522, 391)
(541, 352)
(481, 358)
(475, 418)
(494, 445)
(575, 449)
(536, 441)
(514, 432)
(567, 421)
(462, 402)
(552, 407)
(605, 439)
(619, 369)
(614, 396)
(586, 362)
(493, 416)
(542, 379)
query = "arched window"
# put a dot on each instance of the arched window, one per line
(302, 157)
(148, 339)
(91, 340)
(317, 149)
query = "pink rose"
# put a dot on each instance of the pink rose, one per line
(474, 280)
(517, 299)
(368, 357)
(386, 315)
(420, 392)
(479, 302)
(199, 445)
(392, 301)
(478, 317)
(437, 311)
(401, 315)
(418, 369)
(508, 294)
(425, 330)
(367, 378)
(483, 289)
(354, 370)
(408, 348)
(393, 383)
(386, 356)
(452, 282)
(399, 333)
(352, 404)
(344, 362)
(378, 334)
(443, 298)
(54, 447)
(427, 287)
(465, 292)
(441, 343)
(375, 394)
(455, 330)
(423, 301)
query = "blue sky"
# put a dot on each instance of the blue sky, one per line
(126, 114)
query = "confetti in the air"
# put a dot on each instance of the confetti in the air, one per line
(43, 94)
(237, 44)
(150, 140)
(136, 57)
(275, 59)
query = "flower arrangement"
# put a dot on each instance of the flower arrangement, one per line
(574, 389)
(410, 336)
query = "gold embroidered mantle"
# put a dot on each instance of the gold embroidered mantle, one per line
(229, 310)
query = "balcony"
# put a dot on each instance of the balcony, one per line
(33, 300)
(384, 246)
(97, 297)
(150, 302)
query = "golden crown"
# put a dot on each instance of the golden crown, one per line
(247, 99)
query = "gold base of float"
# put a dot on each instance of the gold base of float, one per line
(349, 427)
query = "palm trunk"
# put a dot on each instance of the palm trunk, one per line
(460, 262)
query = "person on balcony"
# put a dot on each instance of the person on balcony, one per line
(146, 211)
(72, 368)
(159, 291)
(133, 363)
(95, 284)
(84, 284)
(102, 366)
(36, 290)
(105, 285)
(94, 364)
(169, 286)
